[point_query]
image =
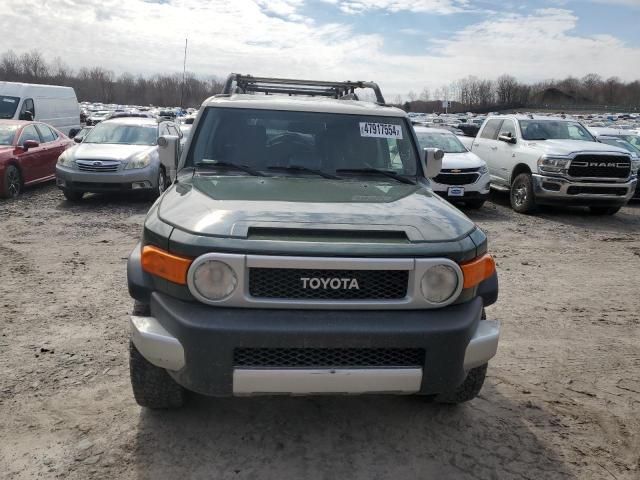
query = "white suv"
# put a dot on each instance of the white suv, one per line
(464, 176)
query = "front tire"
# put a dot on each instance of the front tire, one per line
(73, 195)
(161, 185)
(604, 210)
(522, 196)
(469, 389)
(152, 386)
(12, 182)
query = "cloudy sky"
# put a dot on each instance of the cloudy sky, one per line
(403, 44)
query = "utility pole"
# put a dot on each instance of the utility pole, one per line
(184, 73)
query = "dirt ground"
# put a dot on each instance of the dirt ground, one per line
(562, 399)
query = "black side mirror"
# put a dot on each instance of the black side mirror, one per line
(73, 132)
(27, 115)
(77, 139)
(507, 139)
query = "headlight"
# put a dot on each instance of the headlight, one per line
(552, 165)
(65, 160)
(439, 283)
(483, 169)
(635, 166)
(214, 280)
(139, 161)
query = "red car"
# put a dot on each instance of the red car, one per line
(28, 154)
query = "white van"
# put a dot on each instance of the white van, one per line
(57, 106)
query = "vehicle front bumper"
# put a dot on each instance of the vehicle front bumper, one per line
(196, 344)
(97, 182)
(558, 190)
(478, 190)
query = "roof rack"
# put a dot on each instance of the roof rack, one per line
(237, 83)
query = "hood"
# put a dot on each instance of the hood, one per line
(567, 147)
(104, 151)
(462, 160)
(230, 206)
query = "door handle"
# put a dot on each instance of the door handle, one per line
(494, 148)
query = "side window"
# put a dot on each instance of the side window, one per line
(491, 129)
(46, 133)
(172, 130)
(163, 130)
(508, 129)
(29, 133)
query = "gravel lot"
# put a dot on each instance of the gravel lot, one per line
(562, 399)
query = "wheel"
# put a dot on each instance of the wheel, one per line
(73, 195)
(469, 388)
(12, 182)
(152, 386)
(522, 196)
(604, 210)
(161, 185)
(474, 204)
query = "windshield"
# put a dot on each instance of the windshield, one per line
(8, 106)
(446, 142)
(263, 139)
(554, 130)
(7, 132)
(118, 133)
(633, 140)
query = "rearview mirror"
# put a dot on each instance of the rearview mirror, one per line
(432, 162)
(507, 139)
(30, 144)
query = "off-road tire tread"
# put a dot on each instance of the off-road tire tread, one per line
(152, 386)
(469, 389)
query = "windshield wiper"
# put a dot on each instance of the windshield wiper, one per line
(243, 168)
(300, 168)
(386, 173)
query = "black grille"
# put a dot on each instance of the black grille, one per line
(600, 166)
(321, 284)
(456, 178)
(576, 190)
(327, 357)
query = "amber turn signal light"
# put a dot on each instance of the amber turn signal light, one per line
(477, 270)
(165, 265)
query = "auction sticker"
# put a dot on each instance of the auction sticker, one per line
(380, 130)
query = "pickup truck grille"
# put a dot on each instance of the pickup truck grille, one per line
(327, 357)
(600, 166)
(306, 284)
(463, 176)
(97, 165)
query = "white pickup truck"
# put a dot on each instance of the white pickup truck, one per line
(545, 160)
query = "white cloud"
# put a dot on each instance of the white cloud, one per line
(274, 38)
(441, 7)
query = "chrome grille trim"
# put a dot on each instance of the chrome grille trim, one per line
(242, 298)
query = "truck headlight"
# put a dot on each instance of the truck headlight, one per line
(214, 280)
(439, 283)
(139, 161)
(635, 166)
(65, 160)
(552, 165)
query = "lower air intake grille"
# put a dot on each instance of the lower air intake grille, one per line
(305, 284)
(327, 357)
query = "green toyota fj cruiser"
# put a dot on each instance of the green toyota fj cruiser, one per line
(301, 250)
